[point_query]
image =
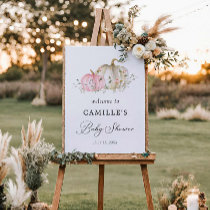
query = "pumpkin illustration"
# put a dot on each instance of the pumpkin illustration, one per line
(115, 76)
(92, 82)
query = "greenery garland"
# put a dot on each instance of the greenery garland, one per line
(66, 158)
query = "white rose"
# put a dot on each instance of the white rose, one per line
(138, 50)
(147, 55)
(150, 45)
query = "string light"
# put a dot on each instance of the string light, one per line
(52, 49)
(37, 30)
(44, 18)
(1, 20)
(58, 43)
(57, 36)
(38, 40)
(67, 41)
(84, 24)
(42, 50)
(52, 41)
(57, 23)
(76, 22)
(11, 28)
(84, 40)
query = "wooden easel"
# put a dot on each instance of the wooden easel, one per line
(98, 37)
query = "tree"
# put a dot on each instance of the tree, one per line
(45, 26)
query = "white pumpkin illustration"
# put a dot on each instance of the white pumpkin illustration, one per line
(115, 76)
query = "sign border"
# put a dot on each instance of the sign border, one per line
(110, 156)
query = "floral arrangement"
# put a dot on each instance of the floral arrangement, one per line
(176, 193)
(27, 163)
(35, 154)
(149, 45)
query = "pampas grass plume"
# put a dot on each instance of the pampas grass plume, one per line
(168, 114)
(4, 145)
(196, 114)
(33, 134)
(159, 27)
(17, 193)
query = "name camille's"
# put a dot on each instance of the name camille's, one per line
(105, 112)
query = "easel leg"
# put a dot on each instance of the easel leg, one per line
(147, 187)
(101, 187)
(58, 187)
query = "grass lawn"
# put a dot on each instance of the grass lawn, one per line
(182, 147)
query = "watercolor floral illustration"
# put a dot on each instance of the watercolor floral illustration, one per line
(106, 77)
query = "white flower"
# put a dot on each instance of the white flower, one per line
(147, 55)
(138, 50)
(123, 35)
(150, 45)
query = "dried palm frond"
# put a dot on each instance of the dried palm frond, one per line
(17, 192)
(159, 27)
(33, 135)
(4, 144)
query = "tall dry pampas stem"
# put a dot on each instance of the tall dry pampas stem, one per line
(35, 157)
(159, 27)
(33, 135)
(4, 144)
(17, 192)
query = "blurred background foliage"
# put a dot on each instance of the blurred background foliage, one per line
(39, 29)
(46, 26)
